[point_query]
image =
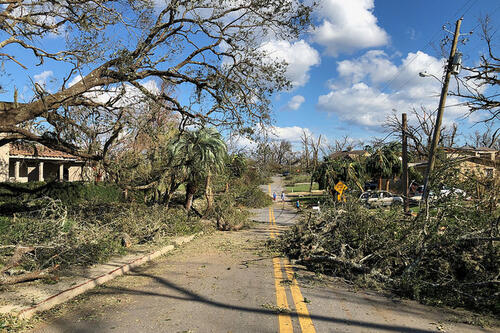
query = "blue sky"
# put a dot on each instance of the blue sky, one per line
(357, 65)
(362, 62)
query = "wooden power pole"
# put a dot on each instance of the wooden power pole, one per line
(439, 118)
(404, 180)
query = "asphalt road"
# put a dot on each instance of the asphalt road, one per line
(230, 282)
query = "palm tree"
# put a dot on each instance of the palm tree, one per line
(384, 162)
(344, 169)
(201, 153)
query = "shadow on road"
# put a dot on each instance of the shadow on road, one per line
(190, 296)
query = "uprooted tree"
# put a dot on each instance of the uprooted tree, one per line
(210, 50)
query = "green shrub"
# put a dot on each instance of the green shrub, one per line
(14, 196)
(251, 196)
(227, 214)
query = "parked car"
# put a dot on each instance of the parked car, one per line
(380, 198)
(370, 186)
(444, 192)
(453, 191)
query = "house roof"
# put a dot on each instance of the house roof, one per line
(485, 149)
(471, 149)
(25, 150)
(474, 159)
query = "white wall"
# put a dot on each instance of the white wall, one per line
(4, 162)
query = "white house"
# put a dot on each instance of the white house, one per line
(22, 162)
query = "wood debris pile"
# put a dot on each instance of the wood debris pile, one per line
(451, 257)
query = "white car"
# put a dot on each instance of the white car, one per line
(445, 192)
(380, 198)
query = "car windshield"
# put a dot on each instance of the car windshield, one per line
(365, 195)
(374, 195)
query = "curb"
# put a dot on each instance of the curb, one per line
(70, 293)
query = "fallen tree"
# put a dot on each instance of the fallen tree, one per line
(450, 258)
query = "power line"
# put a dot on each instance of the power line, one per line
(429, 43)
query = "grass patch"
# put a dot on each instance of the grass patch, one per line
(297, 178)
(300, 187)
(312, 200)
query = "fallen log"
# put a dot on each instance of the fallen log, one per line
(19, 251)
(336, 260)
(31, 276)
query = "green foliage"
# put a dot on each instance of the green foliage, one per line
(297, 178)
(201, 154)
(384, 161)
(70, 193)
(227, 214)
(445, 259)
(89, 233)
(301, 187)
(344, 169)
(12, 323)
(256, 176)
(237, 165)
(251, 196)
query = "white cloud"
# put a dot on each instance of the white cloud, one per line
(299, 56)
(295, 102)
(75, 80)
(124, 95)
(373, 63)
(370, 87)
(274, 134)
(43, 77)
(237, 143)
(291, 134)
(348, 26)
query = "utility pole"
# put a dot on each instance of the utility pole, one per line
(439, 118)
(404, 179)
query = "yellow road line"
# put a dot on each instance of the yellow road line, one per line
(304, 319)
(284, 319)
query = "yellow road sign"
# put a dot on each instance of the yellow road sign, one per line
(340, 187)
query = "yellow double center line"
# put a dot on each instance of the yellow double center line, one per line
(284, 318)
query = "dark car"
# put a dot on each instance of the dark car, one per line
(370, 186)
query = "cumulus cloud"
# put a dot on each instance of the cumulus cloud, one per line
(124, 95)
(273, 133)
(299, 56)
(43, 77)
(292, 133)
(347, 26)
(295, 102)
(370, 87)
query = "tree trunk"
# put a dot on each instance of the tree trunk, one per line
(387, 182)
(380, 183)
(312, 179)
(167, 197)
(208, 193)
(190, 190)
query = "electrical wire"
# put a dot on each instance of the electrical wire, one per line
(427, 45)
